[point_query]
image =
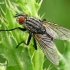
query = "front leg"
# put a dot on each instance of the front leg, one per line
(22, 29)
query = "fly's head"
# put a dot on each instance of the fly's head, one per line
(21, 18)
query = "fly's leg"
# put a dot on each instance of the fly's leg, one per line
(22, 29)
(35, 45)
(28, 40)
(44, 20)
(20, 43)
(29, 37)
(26, 43)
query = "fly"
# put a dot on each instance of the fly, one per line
(44, 33)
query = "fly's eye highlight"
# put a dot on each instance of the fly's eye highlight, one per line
(21, 19)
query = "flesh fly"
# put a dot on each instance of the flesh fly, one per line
(44, 33)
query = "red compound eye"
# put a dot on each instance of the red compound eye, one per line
(21, 19)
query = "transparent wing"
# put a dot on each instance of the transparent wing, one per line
(57, 31)
(48, 47)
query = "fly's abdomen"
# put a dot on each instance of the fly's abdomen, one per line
(34, 25)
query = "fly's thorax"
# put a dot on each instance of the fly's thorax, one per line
(34, 25)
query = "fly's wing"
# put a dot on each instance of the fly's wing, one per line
(48, 47)
(57, 31)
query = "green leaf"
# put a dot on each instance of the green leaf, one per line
(2, 66)
(65, 58)
(23, 57)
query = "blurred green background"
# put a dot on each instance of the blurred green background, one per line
(57, 11)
